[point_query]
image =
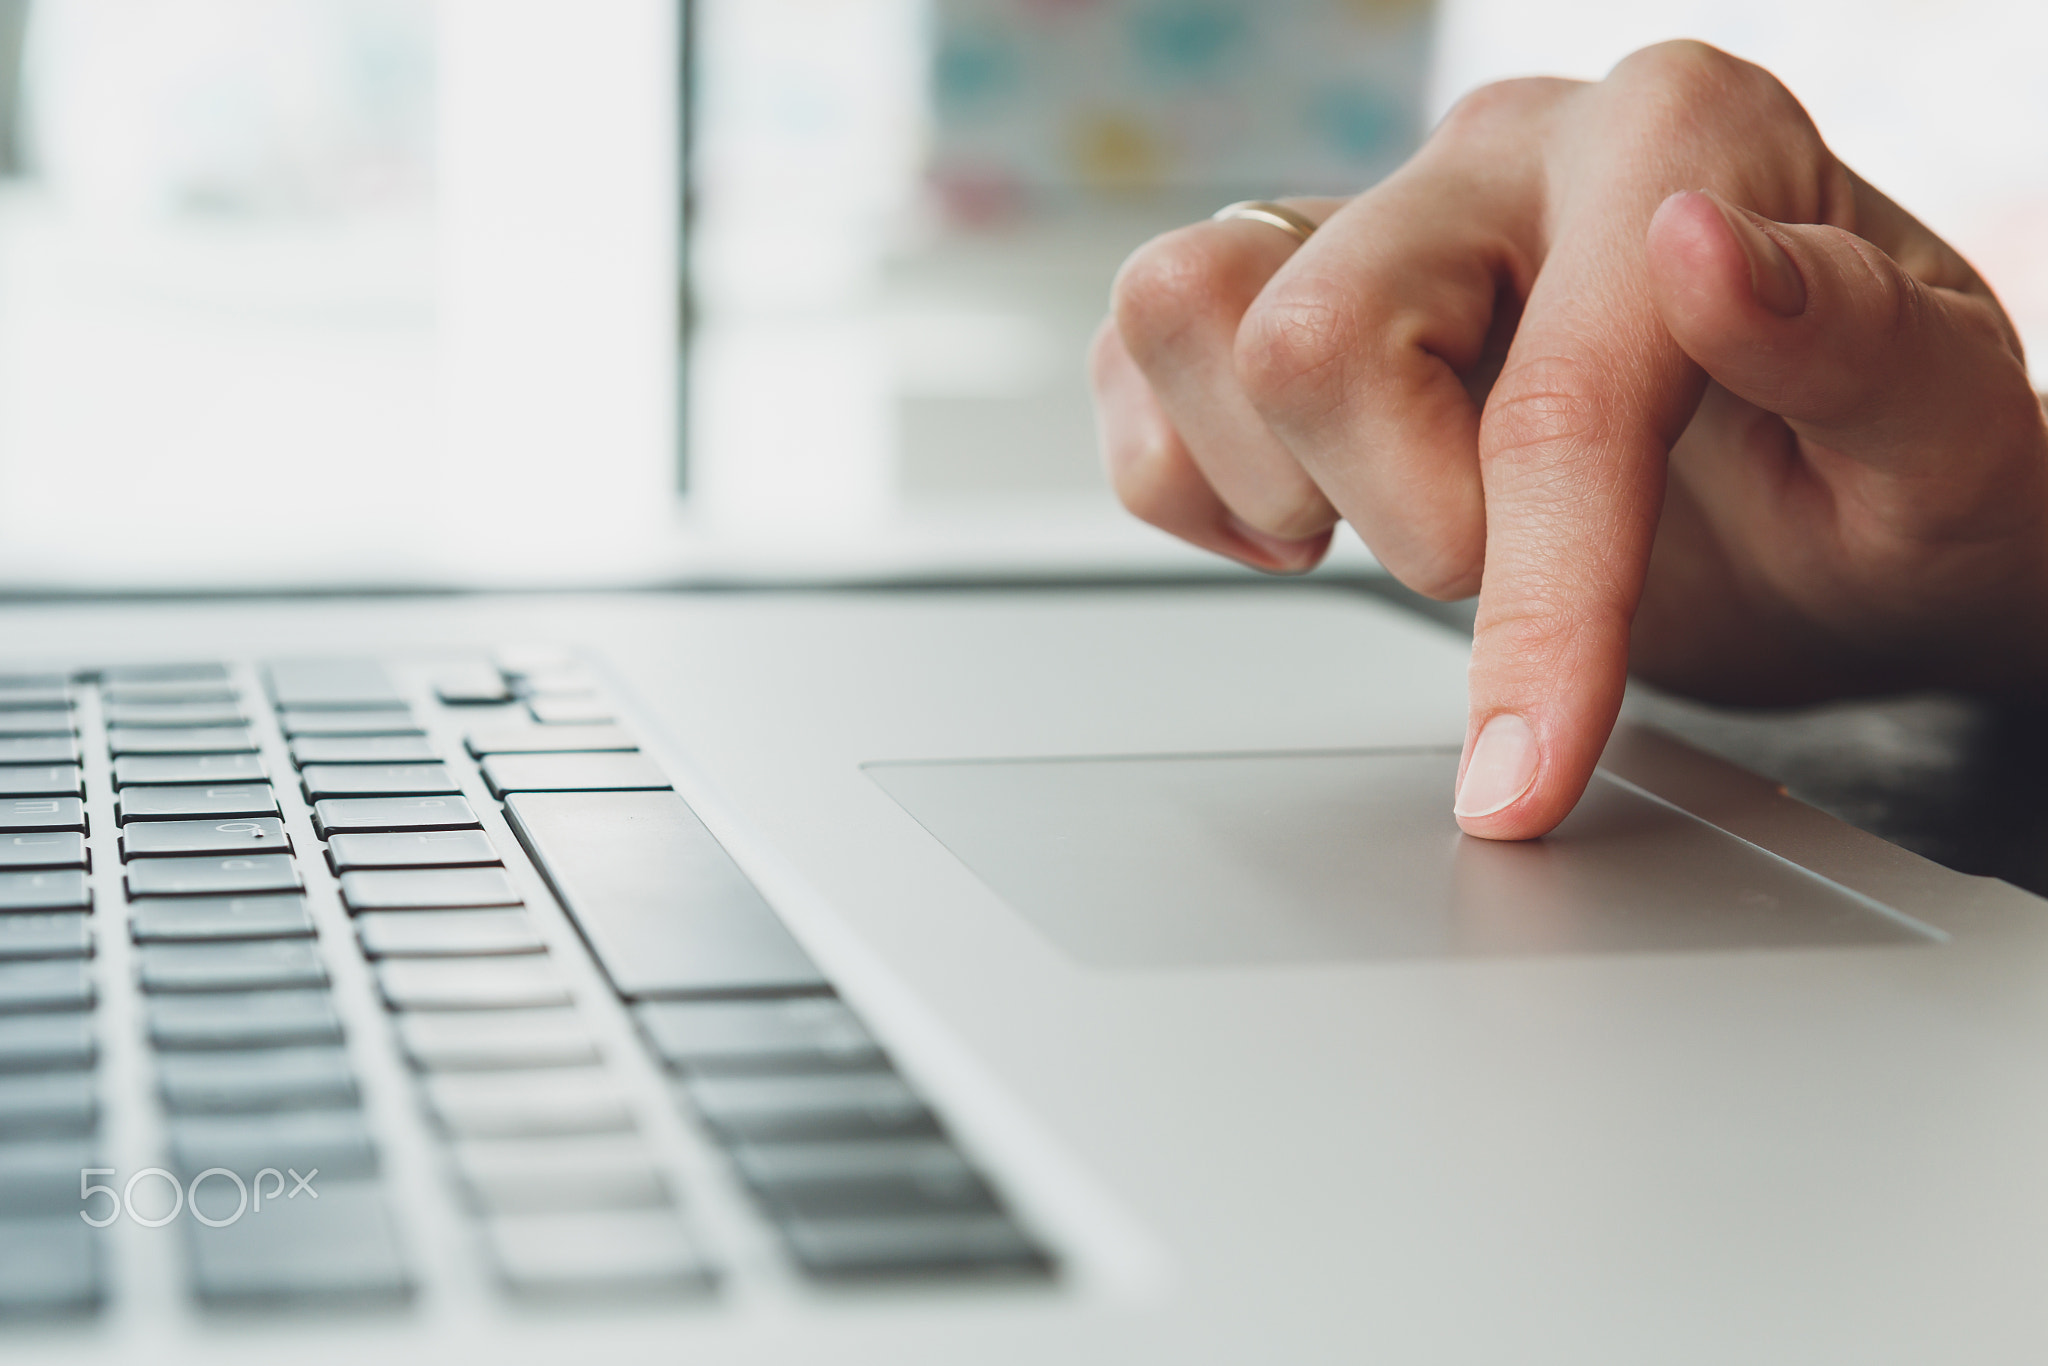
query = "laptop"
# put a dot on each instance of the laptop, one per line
(1078, 968)
(952, 975)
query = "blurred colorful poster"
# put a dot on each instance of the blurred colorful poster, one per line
(1268, 97)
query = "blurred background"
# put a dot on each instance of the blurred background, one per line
(396, 291)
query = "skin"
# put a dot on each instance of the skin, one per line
(1643, 365)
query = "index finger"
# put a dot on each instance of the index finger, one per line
(1572, 450)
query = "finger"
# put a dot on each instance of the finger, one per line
(1178, 303)
(1863, 360)
(1360, 352)
(1572, 449)
(1153, 474)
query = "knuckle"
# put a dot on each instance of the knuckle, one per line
(1545, 627)
(1141, 480)
(1882, 309)
(1444, 573)
(1530, 627)
(1681, 63)
(1164, 288)
(1286, 504)
(1502, 104)
(1687, 90)
(1438, 548)
(1893, 303)
(1538, 415)
(1293, 352)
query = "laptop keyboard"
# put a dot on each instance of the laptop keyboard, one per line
(244, 830)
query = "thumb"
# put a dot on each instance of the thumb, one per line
(1828, 331)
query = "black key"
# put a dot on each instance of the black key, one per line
(47, 690)
(41, 780)
(167, 690)
(335, 1141)
(471, 983)
(266, 866)
(510, 1104)
(49, 1265)
(570, 709)
(446, 934)
(393, 813)
(471, 685)
(29, 689)
(47, 1043)
(121, 675)
(243, 1019)
(156, 714)
(255, 965)
(26, 988)
(413, 849)
(19, 814)
(182, 740)
(37, 934)
(538, 739)
(427, 889)
(813, 1033)
(376, 780)
(42, 1177)
(572, 773)
(332, 685)
(363, 749)
(388, 722)
(603, 1252)
(137, 770)
(197, 802)
(18, 723)
(206, 919)
(39, 749)
(661, 903)
(558, 1175)
(33, 689)
(811, 1109)
(239, 874)
(259, 1079)
(481, 1040)
(342, 1247)
(867, 1248)
(53, 891)
(48, 1105)
(264, 834)
(55, 849)
(863, 1180)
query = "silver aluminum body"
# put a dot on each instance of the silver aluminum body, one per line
(1813, 1153)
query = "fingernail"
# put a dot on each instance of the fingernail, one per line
(1773, 279)
(1502, 766)
(1292, 554)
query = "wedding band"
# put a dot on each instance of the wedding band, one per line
(1265, 211)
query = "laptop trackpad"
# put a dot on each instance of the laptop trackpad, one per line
(1279, 858)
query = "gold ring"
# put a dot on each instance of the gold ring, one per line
(1294, 224)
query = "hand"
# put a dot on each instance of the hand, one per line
(1642, 364)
